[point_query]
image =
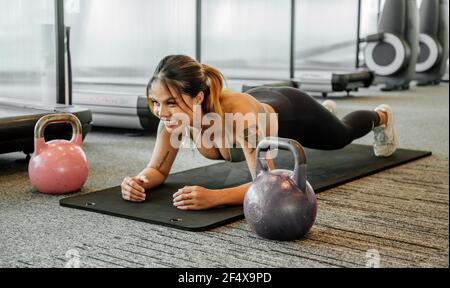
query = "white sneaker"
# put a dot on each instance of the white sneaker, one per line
(384, 136)
(330, 105)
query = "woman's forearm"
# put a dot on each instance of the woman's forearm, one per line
(233, 195)
(154, 177)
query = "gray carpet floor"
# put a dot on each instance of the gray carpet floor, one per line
(399, 215)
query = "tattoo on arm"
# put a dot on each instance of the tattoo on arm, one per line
(163, 161)
(251, 137)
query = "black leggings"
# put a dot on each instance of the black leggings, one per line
(302, 118)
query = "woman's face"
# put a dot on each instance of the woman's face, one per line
(169, 107)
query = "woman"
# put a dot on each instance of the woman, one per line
(181, 86)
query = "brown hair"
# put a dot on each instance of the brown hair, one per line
(187, 76)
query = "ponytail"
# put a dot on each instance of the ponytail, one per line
(215, 83)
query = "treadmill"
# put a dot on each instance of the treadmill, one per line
(17, 125)
(325, 82)
(328, 82)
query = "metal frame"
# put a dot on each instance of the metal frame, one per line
(60, 57)
(358, 34)
(198, 31)
(292, 47)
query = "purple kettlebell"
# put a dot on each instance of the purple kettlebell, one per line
(280, 204)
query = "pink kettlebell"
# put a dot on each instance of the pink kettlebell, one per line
(58, 166)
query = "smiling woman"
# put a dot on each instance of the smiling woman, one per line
(189, 96)
(183, 76)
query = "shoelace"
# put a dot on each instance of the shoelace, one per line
(382, 137)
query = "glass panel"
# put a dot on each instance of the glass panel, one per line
(247, 38)
(370, 12)
(27, 52)
(369, 17)
(122, 41)
(326, 34)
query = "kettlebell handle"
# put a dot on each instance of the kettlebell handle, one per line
(268, 143)
(44, 121)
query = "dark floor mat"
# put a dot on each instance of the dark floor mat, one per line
(326, 169)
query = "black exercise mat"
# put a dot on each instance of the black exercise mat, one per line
(326, 169)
